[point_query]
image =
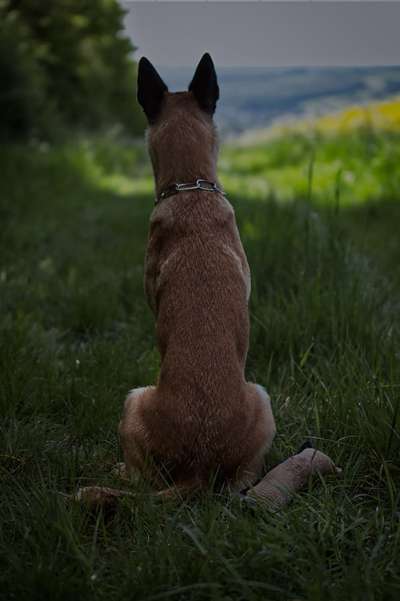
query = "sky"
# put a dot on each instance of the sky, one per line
(268, 34)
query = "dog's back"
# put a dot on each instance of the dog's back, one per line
(202, 416)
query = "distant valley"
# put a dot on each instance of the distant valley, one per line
(253, 98)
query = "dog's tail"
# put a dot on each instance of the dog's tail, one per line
(102, 497)
(183, 490)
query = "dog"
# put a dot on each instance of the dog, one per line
(201, 422)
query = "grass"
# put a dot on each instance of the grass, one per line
(355, 155)
(76, 334)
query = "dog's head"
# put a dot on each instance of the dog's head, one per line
(179, 121)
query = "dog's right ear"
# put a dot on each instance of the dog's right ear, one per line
(204, 84)
(150, 89)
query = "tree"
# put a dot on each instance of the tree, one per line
(69, 60)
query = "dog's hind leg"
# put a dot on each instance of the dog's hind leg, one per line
(133, 432)
(262, 435)
(268, 428)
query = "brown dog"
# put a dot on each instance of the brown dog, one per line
(202, 419)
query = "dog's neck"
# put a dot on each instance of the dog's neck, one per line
(190, 163)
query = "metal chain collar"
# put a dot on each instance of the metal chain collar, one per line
(199, 184)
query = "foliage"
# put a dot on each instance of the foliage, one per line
(22, 92)
(65, 64)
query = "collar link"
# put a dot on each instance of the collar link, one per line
(199, 184)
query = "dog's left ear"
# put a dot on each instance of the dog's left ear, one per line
(150, 89)
(204, 84)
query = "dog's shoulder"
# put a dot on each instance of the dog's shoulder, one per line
(162, 217)
(225, 213)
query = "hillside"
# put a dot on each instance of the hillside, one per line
(253, 98)
(347, 157)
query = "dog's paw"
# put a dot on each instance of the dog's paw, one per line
(120, 471)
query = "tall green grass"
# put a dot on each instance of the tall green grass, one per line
(76, 334)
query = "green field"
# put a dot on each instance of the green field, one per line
(318, 213)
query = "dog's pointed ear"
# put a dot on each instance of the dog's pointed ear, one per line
(150, 89)
(204, 84)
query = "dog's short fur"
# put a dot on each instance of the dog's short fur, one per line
(202, 418)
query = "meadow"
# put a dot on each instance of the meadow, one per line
(318, 208)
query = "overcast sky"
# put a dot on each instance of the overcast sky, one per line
(276, 33)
